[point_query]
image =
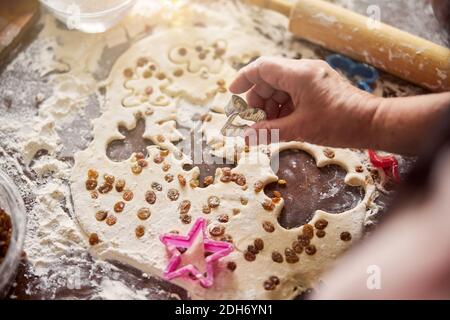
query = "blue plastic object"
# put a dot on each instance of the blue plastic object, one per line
(362, 74)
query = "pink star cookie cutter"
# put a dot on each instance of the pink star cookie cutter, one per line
(219, 249)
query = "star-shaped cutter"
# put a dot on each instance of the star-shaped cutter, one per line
(218, 250)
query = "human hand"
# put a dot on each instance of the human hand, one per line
(308, 101)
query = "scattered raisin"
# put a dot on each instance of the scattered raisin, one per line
(140, 231)
(268, 205)
(297, 247)
(213, 202)
(128, 195)
(143, 213)
(275, 280)
(105, 188)
(258, 185)
(244, 201)
(252, 249)
(320, 233)
(101, 215)
(181, 180)
(169, 177)
(109, 179)
(268, 226)
(208, 180)
(119, 206)
(308, 231)
(236, 211)
(136, 169)
(182, 51)
(142, 163)
(217, 231)
(259, 244)
(178, 72)
(291, 256)
(328, 153)
(346, 236)
(91, 184)
(206, 209)
(184, 206)
(269, 285)
(158, 159)
(304, 240)
(94, 194)
(240, 180)
(310, 250)
(277, 257)
(128, 73)
(223, 218)
(150, 197)
(321, 224)
(249, 256)
(120, 185)
(166, 167)
(173, 194)
(186, 218)
(92, 174)
(142, 61)
(93, 239)
(231, 265)
(157, 186)
(111, 220)
(359, 169)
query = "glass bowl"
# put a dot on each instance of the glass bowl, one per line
(89, 16)
(11, 202)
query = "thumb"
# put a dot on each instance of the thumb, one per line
(272, 131)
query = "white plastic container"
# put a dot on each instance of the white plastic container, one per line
(88, 15)
(12, 203)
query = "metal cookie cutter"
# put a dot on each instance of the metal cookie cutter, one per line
(238, 107)
(362, 74)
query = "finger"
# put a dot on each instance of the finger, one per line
(272, 109)
(254, 100)
(246, 78)
(284, 128)
(264, 90)
(281, 97)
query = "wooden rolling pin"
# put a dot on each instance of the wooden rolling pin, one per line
(397, 52)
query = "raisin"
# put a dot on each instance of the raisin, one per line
(91, 184)
(206, 209)
(158, 159)
(143, 213)
(223, 218)
(178, 72)
(120, 185)
(128, 72)
(321, 224)
(217, 231)
(128, 195)
(142, 163)
(310, 250)
(93, 239)
(269, 285)
(166, 167)
(328, 153)
(346, 236)
(92, 174)
(111, 220)
(182, 51)
(320, 233)
(258, 186)
(181, 180)
(244, 201)
(140, 231)
(169, 177)
(308, 231)
(208, 180)
(186, 218)
(249, 256)
(240, 180)
(303, 240)
(139, 156)
(277, 257)
(275, 280)
(184, 207)
(291, 256)
(157, 186)
(173, 194)
(150, 197)
(119, 206)
(252, 249)
(268, 226)
(231, 266)
(359, 169)
(213, 202)
(297, 247)
(105, 188)
(268, 205)
(259, 244)
(109, 179)
(136, 169)
(101, 215)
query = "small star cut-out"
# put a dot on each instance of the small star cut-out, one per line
(215, 250)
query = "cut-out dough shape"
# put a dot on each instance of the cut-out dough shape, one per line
(156, 196)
